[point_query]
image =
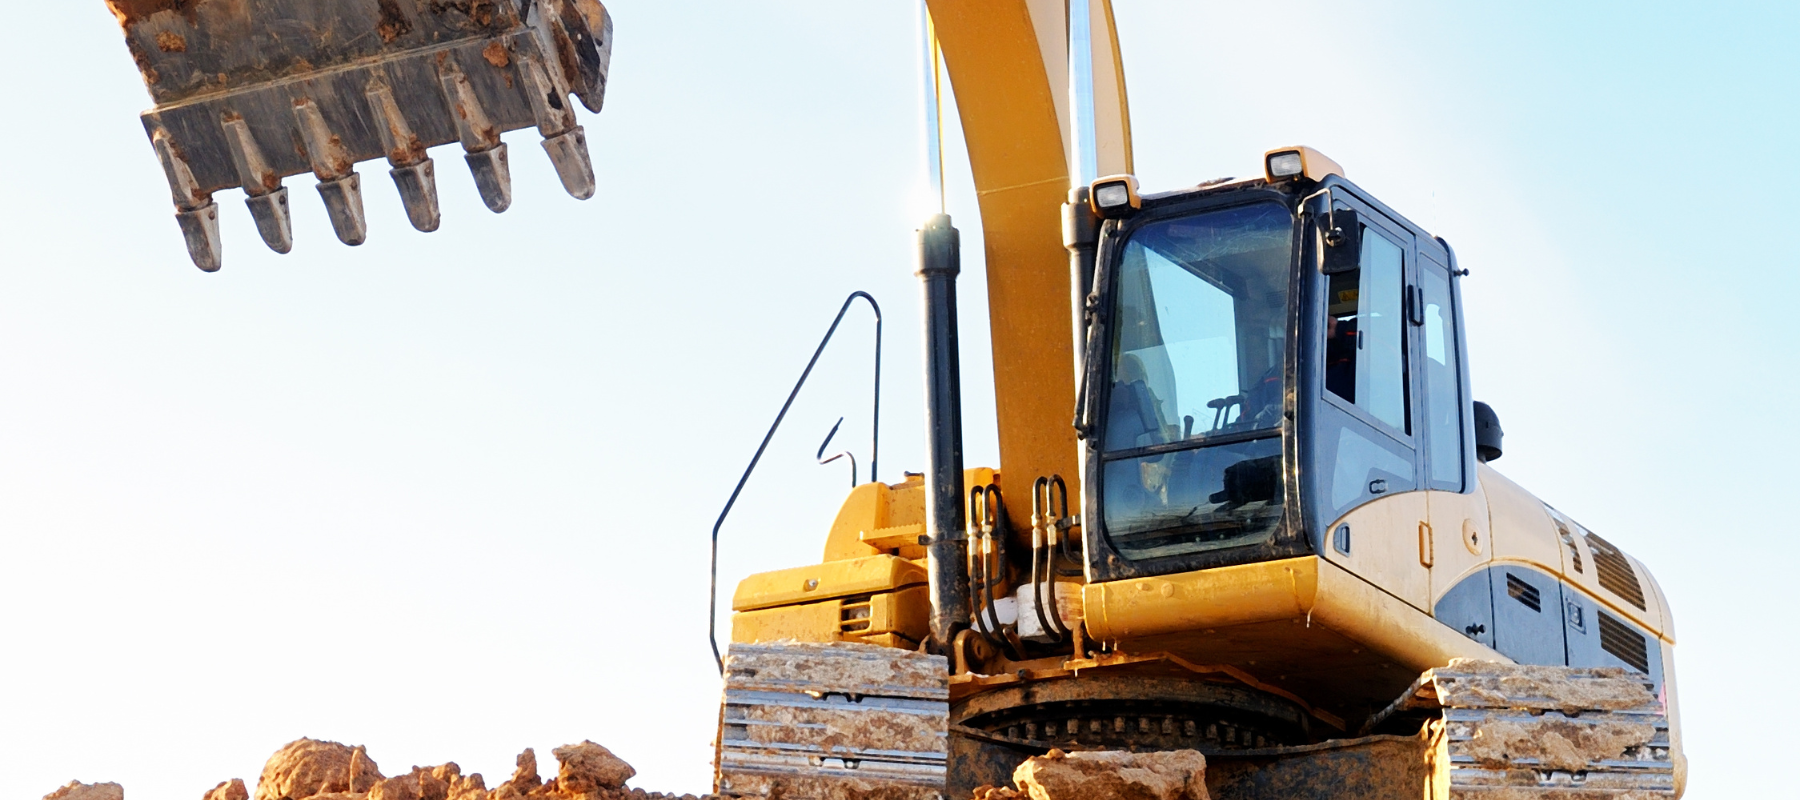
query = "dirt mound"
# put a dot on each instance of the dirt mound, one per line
(76, 790)
(1178, 775)
(308, 769)
(229, 790)
(588, 768)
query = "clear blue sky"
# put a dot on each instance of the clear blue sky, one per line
(447, 495)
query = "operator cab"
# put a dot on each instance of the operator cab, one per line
(1264, 357)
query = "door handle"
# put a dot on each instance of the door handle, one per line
(1426, 556)
(1415, 305)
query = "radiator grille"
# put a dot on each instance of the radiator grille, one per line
(1568, 541)
(853, 616)
(1624, 642)
(1524, 593)
(1615, 572)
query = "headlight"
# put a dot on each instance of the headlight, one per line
(1294, 163)
(1286, 165)
(1114, 196)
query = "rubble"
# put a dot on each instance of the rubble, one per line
(76, 790)
(229, 790)
(588, 768)
(525, 776)
(309, 769)
(1106, 775)
(306, 768)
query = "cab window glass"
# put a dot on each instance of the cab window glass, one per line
(1443, 384)
(1365, 355)
(1192, 448)
(1202, 307)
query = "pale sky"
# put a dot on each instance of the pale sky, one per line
(448, 495)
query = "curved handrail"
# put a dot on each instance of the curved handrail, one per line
(712, 605)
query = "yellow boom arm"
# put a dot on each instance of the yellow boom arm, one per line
(1008, 61)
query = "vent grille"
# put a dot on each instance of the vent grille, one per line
(1569, 542)
(853, 615)
(1615, 572)
(1524, 593)
(1624, 642)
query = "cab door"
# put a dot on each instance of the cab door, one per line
(1366, 449)
(1457, 518)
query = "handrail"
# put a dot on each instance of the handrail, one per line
(712, 605)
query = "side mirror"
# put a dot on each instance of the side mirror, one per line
(1343, 242)
(1487, 433)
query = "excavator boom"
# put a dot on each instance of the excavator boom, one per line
(249, 92)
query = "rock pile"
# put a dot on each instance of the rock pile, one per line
(76, 790)
(1177, 775)
(308, 769)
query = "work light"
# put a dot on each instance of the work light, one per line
(1294, 163)
(1286, 165)
(1115, 196)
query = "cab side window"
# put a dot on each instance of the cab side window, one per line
(1365, 444)
(1443, 383)
(1365, 353)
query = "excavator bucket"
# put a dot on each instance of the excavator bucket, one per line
(249, 92)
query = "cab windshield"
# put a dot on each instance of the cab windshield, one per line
(1191, 450)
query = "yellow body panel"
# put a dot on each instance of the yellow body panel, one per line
(1525, 533)
(1653, 588)
(879, 518)
(812, 622)
(1304, 625)
(1214, 598)
(1461, 535)
(832, 579)
(906, 613)
(1387, 547)
(892, 619)
(896, 538)
(1677, 753)
(1275, 591)
(865, 509)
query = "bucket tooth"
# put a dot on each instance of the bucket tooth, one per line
(413, 173)
(339, 184)
(418, 191)
(564, 140)
(273, 219)
(195, 211)
(344, 203)
(200, 227)
(493, 178)
(265, 195)
(569, 153)
(481, 143)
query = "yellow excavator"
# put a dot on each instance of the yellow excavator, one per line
(1245, 497)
